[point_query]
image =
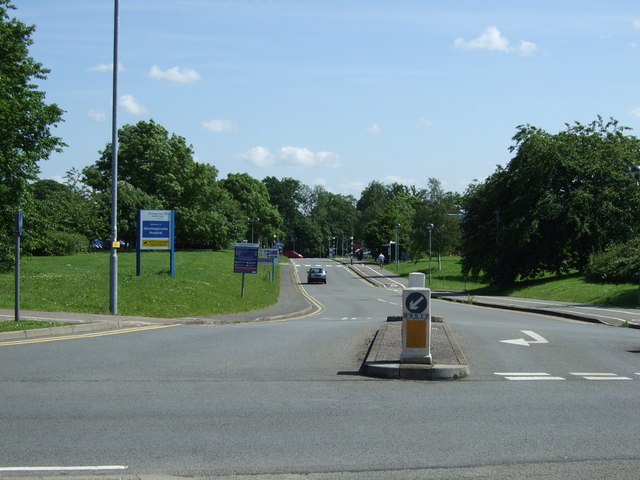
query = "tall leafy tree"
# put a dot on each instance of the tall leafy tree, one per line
(157, 170)
(560, 198)
(440, 209)
(254, 202)
(288, 196)
(26, 120)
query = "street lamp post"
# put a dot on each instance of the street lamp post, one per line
(430, 228)
(113, 261)
(397, 245)
(253, 222)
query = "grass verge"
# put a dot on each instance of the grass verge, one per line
(204, 284)
(446, 275)
(13, 326)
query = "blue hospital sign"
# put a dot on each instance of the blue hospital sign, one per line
(155, 229)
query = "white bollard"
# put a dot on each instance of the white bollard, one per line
(416, 279)
(416, 325)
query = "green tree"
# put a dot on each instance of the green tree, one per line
(156, 168)
(253, 199)
(25, 123)
(288, 196)
(441, 209)
(560, 198)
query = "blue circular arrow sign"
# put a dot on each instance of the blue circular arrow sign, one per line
(416, 302)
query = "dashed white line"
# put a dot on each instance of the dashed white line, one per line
(599, 376)
(528, 376)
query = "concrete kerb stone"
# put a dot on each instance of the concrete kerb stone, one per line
(382, 360)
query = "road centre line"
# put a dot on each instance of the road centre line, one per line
(85, 335)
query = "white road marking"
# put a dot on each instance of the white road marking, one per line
(521, 341)
(527, 376)
(599, 376)
(63, 469)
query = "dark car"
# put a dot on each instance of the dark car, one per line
(316, 275)
(293, 254)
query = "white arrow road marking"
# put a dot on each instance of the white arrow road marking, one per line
(521, 341)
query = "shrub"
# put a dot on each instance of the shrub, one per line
(55, 243)
(617, 264)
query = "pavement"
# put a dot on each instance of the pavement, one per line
(383, 358)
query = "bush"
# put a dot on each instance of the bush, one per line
(7, 252)
(618, 264)
(55, 243)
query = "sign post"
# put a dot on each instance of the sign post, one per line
(416, 325)
(272, 255)
(245, 260)
(156, 231)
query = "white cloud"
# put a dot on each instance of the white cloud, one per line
(374, 129)
(106, 67)
(492, 39)
(258, 156)
(636, 112)
(636, 24)
(291, 157)
(424, 123)
(131, 105)
(220, 126)
(97, 115)
(174, 74)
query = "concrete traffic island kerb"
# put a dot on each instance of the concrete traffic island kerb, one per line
(383, 359)
(421, 347)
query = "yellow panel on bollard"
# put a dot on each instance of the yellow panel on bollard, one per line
(416, 325)
(416, 333)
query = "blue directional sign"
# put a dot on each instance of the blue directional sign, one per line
(416, 302)
(245, 258)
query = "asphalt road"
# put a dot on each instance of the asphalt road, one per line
(283, 399)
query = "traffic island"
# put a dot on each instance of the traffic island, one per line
(383, 359)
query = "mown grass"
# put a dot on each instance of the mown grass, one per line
(573, 287)
(204, 284)
(13, 326)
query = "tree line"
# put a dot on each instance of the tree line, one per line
(565, 201)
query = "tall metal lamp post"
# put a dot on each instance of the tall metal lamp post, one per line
(113, 263)
(430, 228)
(397, 245)
(635, 172)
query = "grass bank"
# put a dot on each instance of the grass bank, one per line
(446, 275)
(204, 284)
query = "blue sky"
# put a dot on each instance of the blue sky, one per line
(338, 92)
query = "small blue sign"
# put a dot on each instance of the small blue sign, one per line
(19, 222)
(155, 228)
(416, 302)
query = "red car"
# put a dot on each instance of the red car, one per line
(293, 254)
